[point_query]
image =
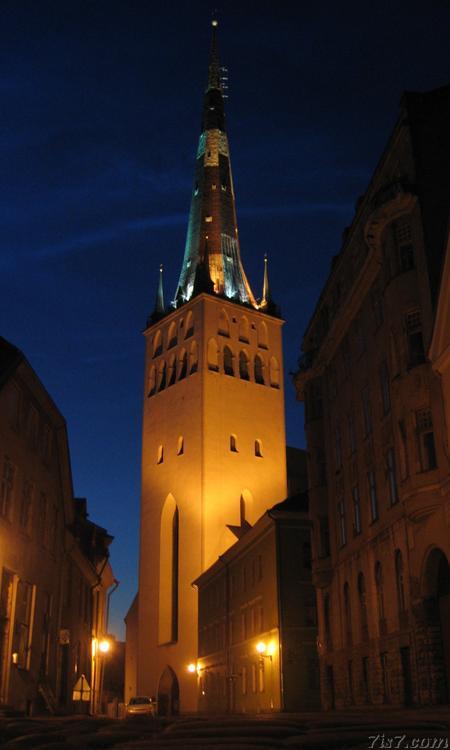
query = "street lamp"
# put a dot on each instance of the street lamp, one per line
(100, 647)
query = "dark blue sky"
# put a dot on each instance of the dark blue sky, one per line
(101, 106)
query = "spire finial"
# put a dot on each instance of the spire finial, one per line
(159, 303)
(266, 289)
(214, 66)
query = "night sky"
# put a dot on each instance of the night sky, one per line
(101, 105)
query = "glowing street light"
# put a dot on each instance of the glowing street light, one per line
(191, 668)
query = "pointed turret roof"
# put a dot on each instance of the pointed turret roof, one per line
(212, 237)
(159, 310)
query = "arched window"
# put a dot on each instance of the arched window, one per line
(168, 573)
(274, 373)
(189, 325)
(362, 605)
(233, 444)
(258, 448)
(213, 355)
(162, 376)
(151, 387)
(224, 324)
(193, 358)
(347, 615)
(243, 366)
(263, 338)
(172, 370)
(172, 335)
(180, 446)
(259, 370)
(228, 361)
(157, 343)
(400, 581)
(244, 330)
(182, 364)
(380, 590)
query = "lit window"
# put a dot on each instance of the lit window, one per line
(208, 219)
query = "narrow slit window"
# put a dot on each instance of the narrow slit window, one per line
(258, 448)
(160, 455)
(233, 444)
(180, 446)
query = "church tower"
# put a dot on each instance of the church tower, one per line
(213, 442)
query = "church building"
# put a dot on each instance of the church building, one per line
(213, 441)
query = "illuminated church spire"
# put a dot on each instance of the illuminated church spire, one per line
(212, 260)
(159, 310)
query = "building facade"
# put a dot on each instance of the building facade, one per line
(257, 620)
(376, 412)
(213, 441)
(54, 563)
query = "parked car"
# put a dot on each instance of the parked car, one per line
(140, 705)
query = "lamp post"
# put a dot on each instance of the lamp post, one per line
(266, 652)
(100, 647)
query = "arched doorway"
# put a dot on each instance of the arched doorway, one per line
(436, 590)
(168, 693)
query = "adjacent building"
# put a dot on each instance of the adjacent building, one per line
(374, 376)
(54, 562)
(257, 619)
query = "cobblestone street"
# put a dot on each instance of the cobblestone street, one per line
(374, 730)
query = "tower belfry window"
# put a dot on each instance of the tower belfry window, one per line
(228, 361)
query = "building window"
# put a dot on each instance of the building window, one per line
(380, 590)
(274, 373)
(243, 366)
(244, 330)
(7, 488)
(157, 344)
(416, 353)
(373, 495)
(233, 444)
(403, 449)
(385, 388)
(263, 336)
(392, 476)
(160, 455)
(182, 364)
(193, 358)
(180, 446)
(347, 615)
(338, 447)
(258, 448)
(172, 335)
(151, 390)
(224, 324)
(405, 249)
(172, 371)
(23, 626)
(356, 510)
(162, 377)
(168, 573)
(362, 606)
(189, 326)
(261, 676)
(425, 438)
(228, 361)
(26, 506)
(341, 520)
(213, 355)
(366, 411)
(400, 581)
(258, 370)
(385, 676)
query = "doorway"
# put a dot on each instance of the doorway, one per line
(168, 693)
